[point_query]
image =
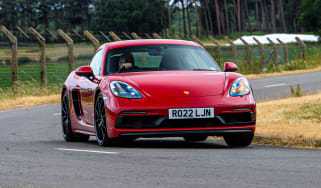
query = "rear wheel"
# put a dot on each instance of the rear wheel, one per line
(100, 122)
(194, 138)
(239, 140)
(67, 133)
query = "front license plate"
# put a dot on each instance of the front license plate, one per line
(190, 113)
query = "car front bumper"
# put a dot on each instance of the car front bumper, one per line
(149, 118)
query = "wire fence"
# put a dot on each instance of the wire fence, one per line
(57, 67)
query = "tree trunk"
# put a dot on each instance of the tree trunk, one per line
(198, 21)
(226, 18)
(154, 12)
(205, 17)
(273, 17)
(264, 28)
(189, 20)
(247, 16)
(222, 20)
(179, 23)
(209, 16)
(257, 20)
(162, 15)
(217, 11)
(299, 12)
(243, 17)
(266, 15)
(169, 19)
(239, 16)
(184, 21)
(280, 5)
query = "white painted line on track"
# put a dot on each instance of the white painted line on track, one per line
(275, 85)
(57, 114)
(88, 151)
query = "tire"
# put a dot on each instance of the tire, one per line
(100, 122)
(67, 133)
(195, 138)
(239, 140)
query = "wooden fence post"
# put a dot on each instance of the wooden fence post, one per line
(285, 47)
(156, 36)
(115, 37)
(261, 46)
(233, 47)
(14, 60)
(147, 35)
(275, 52)
(303, 46)
(218, 48)
(135, 36)
(70, 44)
(196, 39)
(248, 50)
(126, 35)
(93, 39)
(76, 33)
(106, 37)
(42, 44)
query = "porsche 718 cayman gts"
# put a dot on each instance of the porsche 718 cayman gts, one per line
(157, 88)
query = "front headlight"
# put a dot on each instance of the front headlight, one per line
(240, 87)
(124, 90)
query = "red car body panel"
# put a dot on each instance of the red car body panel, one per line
(160, 90)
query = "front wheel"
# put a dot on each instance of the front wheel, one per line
(239, 140)
(100, 122)
(67, 133)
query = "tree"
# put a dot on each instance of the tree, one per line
(281, 16)
(217, 11)
(226, 18)
(273, 17)
(184, 20)
(311, 15)
(188, 17)
(198, 22)
(128, 16)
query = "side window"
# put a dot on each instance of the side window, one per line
(96, 63)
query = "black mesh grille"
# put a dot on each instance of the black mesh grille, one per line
(158, 122)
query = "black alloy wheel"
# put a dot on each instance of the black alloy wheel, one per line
(67, 133)
(100, 122)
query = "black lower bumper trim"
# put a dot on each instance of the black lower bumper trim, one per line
(184, 133)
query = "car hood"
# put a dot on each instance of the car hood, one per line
(176, 83)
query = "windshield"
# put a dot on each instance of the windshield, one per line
(158, 58)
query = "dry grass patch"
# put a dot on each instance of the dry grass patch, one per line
(27, 101)
(52, 51)
(296, 117)
(265, 75)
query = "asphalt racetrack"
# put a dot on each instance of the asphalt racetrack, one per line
(33, 154)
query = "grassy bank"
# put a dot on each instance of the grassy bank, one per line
(294, 121)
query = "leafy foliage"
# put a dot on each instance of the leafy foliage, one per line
(128, 16)
(311, 15)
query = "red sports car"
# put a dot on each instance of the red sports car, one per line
(157, 88)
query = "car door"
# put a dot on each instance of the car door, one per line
(88, 87)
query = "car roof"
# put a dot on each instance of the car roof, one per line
(126, 43)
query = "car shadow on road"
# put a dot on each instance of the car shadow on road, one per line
(168, 143)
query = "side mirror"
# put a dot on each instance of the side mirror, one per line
(85, 71)
(230, 67)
